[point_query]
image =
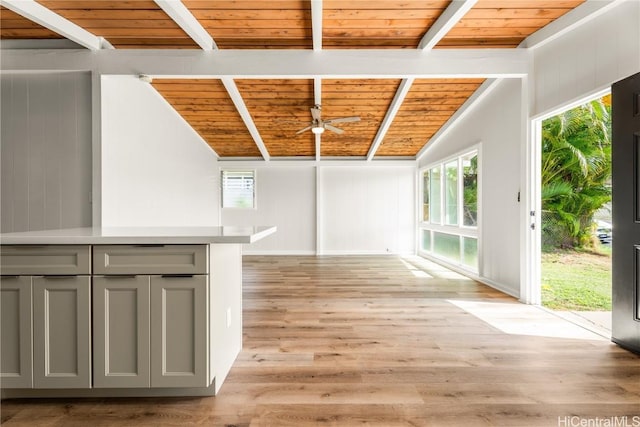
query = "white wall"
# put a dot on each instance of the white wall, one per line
(495, 123)
(46, 151)
(367, 209)
(286, 198)
(362, 209)
(589, 58)
(156, 170)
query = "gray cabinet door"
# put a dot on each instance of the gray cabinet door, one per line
(15, 332)
(61, 332)
(179, 350)
(121, 331)
(150, 259)
(47, 259)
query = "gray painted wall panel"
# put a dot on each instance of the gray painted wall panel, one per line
(45, 151)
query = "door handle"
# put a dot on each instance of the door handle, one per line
(175, 276)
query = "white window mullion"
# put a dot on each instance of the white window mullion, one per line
(443, 196)
(459, 201)
(464, 234)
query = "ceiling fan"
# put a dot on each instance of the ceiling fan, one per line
(318, 125)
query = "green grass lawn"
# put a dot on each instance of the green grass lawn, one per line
(574, 280)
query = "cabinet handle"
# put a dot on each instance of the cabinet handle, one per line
(123, 276)
(10, 276)
(68, 276)
(176, 276)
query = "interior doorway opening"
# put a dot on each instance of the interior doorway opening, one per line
(575, 217)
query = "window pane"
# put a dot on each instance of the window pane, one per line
(446, 245)
(470, 190)
(470, 252)
(435, 199)
(426, 240)
(451, 193)
(237, 189)
(425, 196)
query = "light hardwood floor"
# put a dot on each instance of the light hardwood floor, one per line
(377, 341)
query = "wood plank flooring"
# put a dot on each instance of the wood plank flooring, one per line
(383, 341)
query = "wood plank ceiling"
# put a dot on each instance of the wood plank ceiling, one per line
(255, 24)
(378, 23)
(208, 108)
(280, 107)
(129, 24)
(14, 26)
(427, 106)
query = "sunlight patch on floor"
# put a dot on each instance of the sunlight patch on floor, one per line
(417, 263)
(521, 319)
(415, 270)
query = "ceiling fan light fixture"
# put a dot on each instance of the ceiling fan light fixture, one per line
(317, 130)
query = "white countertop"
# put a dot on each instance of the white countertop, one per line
(139, 235)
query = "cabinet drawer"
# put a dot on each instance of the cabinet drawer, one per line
(150, 259)
(46, 260)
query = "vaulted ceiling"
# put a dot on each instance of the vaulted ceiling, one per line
(259, 117)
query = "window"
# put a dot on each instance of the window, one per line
(451, 193)
(470, 251)
(448, 229)
(425, 196)
(470, 189)
(447, 245)
(434, 190)
(238, 189)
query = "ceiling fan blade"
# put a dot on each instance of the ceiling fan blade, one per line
(302, 130)
(333, 129)
(315, 113)
(344, 120)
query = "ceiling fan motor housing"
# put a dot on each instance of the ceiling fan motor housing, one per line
(318, 125)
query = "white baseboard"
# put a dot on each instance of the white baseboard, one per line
(278, 252)
(363, 252)
(499, 286)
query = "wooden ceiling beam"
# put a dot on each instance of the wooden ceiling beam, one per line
(449, 18)
(317, 100)
(238, 101)
(316, 24)
(280, 64)
(398, 99)
(185, 19)
(39, 14)
(317, 91)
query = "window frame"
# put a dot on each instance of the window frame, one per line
(431, 198)
(222, 188)
(460, 230)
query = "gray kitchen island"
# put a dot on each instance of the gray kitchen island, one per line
(123, 311)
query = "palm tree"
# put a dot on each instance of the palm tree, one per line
(576, 167)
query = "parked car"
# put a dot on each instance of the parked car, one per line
(604, 232)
